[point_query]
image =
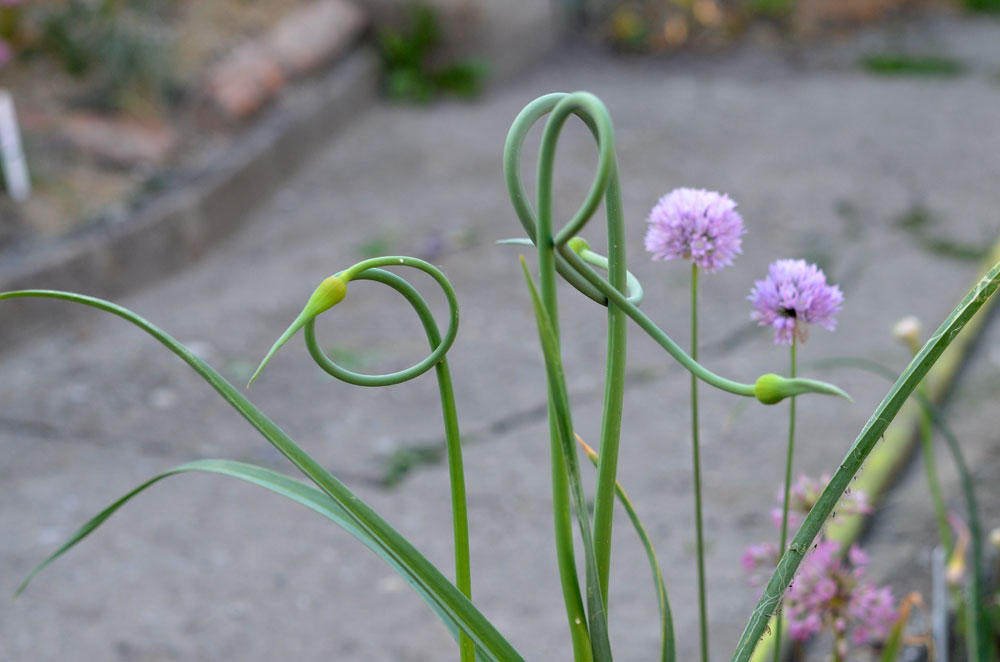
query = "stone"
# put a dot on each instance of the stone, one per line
(314, 35)
(120, 141)
(244, 81)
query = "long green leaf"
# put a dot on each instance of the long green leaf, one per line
(279, 483)
(448, 599)
(668, 652)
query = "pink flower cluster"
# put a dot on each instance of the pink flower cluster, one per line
(827, 591)
(802, 497)
(794, 295)
(697, 225)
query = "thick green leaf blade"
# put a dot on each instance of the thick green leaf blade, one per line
(446, 596)
(668, 648)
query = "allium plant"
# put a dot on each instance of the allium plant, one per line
(704, 228)
(792, 296)
(603, 279)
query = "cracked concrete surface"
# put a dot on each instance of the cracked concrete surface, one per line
(823, 161)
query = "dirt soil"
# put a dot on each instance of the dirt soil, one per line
(71, 188)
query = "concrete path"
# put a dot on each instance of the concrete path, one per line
(885, 183)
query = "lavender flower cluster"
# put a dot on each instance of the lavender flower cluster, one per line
(828, 591)
(705, 228)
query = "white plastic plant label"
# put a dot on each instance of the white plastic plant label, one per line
(15, 167)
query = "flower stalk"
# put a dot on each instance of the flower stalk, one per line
(789, 454)
(696, 457)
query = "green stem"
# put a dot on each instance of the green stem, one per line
(456, 474)
(614, 388)
(930, 465)
(856, 455)
(558, 398)
(788, 489)
(977, 635)
(666, 342)
(699, 537)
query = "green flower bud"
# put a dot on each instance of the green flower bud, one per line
(772, 389)
(769, 388)
(578, 245)
(329, 293)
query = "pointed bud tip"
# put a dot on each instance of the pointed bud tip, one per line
(329, 293)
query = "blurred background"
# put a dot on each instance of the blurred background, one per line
(207, 163)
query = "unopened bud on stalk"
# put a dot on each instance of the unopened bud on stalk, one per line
(772, 389)
(329, 293)
(907, 331)
(578, 245)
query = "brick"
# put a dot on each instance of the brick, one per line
(244, 81)
(314, 35)
(120, 141)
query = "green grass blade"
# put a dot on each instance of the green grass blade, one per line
(279, 483)
(448, 598)
(668, 652)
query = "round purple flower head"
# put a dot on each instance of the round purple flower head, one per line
(697, 225)
(793, 296)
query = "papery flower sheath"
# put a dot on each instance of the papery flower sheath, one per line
(697, 225)
(793, 296)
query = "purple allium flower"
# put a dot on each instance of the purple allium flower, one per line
(872, 610)
(697, 225)
(794, 295)
(829, 591)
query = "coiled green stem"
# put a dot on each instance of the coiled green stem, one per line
(371, 270)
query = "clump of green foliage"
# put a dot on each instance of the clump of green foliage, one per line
(109, 43)
(899, 64)
(982, 5)
(409, 72)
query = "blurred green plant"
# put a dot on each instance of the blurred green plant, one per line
(410, 74)
(110, 43)
(101, 40)
(982, 5)
(900, 64)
